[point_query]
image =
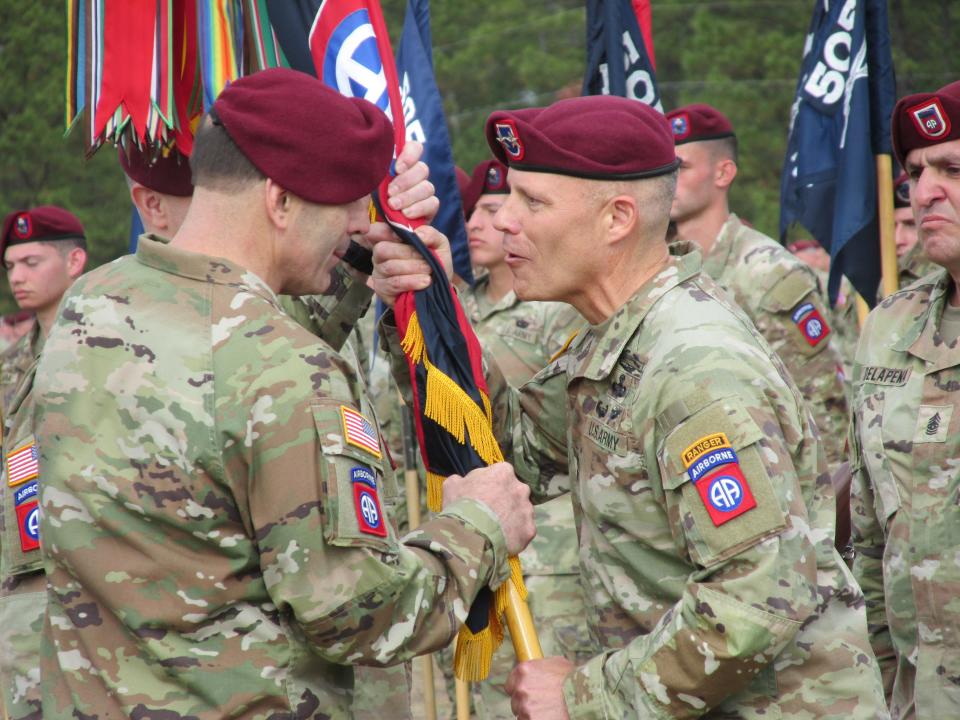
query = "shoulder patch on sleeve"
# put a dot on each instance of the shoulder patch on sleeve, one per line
(366, 502)
(360, 432)
(713, 460)
(23, 464)
(810, 323)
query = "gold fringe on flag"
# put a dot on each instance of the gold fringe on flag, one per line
(448, 405)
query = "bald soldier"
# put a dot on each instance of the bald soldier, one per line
(524, 337)
(905, 438)
(701, 492)
(44, 251)
(214, 529)
(776, 291)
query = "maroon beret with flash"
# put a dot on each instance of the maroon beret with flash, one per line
(600, 137)
(901, 191)
(488, 178)
(167, 172)
(925, 119)
(692, 123)
(318, 144)
(44, 223)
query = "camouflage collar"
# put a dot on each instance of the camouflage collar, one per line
(715, 261)
(483, 306)
(921, 337)
(157, 252)
(598, 347)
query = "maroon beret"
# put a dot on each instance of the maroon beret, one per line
(692, 123)
(166, 172)
(44, 223)
(602, 137)
(318, 144)
(901, 191)
(488, 178)
(925, 119)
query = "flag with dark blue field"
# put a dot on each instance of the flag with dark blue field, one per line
(426, 123)
(618, 62)
(839, 121)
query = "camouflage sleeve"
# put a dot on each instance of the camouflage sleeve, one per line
(868, 543)
(333, 315)
(795, 324)
(751, 584)
(328, 553)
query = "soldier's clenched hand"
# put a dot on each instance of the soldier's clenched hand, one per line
(497, 487)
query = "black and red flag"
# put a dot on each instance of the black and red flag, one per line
(350, 51)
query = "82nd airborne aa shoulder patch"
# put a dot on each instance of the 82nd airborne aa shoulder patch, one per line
(810, 323)
(366, 502)
(714, 469)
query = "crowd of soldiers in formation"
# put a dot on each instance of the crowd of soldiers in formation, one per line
(744, 505)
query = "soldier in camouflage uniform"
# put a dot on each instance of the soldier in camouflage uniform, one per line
(703, 501)
(49, 253)
(905, 439)
(912, 262)
(43, 251)
(779, 293)
(524, 336)
(213, 528)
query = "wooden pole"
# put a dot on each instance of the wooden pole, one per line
(412, 482)
(888, 245)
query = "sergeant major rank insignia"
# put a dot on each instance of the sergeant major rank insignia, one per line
(714, 469)
(814, 328)
(366, 502)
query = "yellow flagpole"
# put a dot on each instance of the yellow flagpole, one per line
(412, 482)
(888, 246)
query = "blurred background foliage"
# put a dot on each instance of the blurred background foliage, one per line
(742, 56)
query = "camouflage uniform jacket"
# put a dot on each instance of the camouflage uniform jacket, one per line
(905, 445)
(705, 513)
(780, 294)
(15, 361)
(23, 594)
(523, 336)
(211, 508)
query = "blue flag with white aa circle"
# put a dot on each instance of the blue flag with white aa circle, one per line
(839, 120)
(426, 123)
(613, 31)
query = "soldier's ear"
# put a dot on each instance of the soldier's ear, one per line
(277, 202)
(622, 216)
(724, 173)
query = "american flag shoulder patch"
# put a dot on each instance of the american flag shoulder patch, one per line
(22, 464)
(359, 432)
